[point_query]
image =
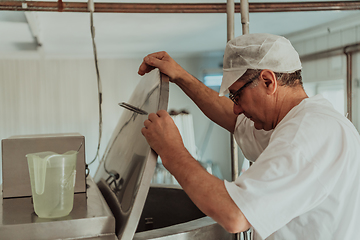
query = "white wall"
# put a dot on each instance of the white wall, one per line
(325, 37)
(60, 96)
(39, 96)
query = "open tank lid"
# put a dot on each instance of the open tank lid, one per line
(128, 164)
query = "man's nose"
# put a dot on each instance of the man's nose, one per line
(237, 109)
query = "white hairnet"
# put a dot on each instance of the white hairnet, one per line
(257, 51)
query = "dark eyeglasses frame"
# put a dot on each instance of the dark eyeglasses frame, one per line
(236, 95)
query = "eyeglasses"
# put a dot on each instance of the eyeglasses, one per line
(236, 95)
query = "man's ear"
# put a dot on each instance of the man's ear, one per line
(269, 79)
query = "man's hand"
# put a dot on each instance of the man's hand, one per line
(164, 62)
(206, 191)
(162, 134)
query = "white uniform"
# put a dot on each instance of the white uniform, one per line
(305, 183)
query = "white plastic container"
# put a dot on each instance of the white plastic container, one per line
(52, 178)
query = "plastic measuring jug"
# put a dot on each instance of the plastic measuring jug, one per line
(52, 178)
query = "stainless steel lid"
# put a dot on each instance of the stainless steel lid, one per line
(128, 164)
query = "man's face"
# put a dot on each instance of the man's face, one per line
(250, 101)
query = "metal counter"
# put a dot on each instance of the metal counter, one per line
(90, 218)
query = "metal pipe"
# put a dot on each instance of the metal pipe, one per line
(230, 10)
(244, 13)
(304, 6)
(60, 5)
(233, 146)
(234, 158)
(331, 52)
(176, 7)
(348, 84)
(244, 16)
(348, 51)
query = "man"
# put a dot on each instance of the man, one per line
(304, 183)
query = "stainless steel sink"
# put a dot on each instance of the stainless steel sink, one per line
(169, 214)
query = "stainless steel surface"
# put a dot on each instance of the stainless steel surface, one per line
(200, 229)
(170, 214)
(176, 7)
(167, 205)
(103, 237)
(90, 218)
(16, 178)
(126, 169)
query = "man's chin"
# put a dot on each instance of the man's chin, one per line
(258, 126)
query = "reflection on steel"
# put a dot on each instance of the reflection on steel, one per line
(126, 169)
(169, 214)
(176, 7)
(90, 218)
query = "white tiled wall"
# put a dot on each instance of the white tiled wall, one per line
(340, 34)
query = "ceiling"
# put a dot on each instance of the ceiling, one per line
(125, 35)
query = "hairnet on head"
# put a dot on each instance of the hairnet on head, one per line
(257, 51)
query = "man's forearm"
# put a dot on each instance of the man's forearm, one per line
(206, 191)
(218, 109)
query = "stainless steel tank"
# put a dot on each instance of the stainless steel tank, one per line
(169, 214)
(125, 173)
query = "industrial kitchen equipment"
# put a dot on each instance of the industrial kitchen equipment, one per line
(119, 202)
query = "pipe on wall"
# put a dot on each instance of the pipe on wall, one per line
(61, 6)
(348, 51)
(233, 146)
(230, 10)
(349, 84)
(244, 10)
(234, 154)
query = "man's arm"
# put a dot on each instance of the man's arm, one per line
(206, 191)
(218, 109)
